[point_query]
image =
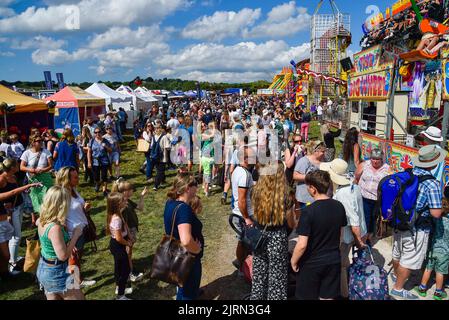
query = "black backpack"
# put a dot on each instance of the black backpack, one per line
(156, 150)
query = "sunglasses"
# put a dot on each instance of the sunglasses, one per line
(37, 140)
(297, 141)
(96, 132)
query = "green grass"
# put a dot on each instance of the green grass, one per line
(99, 265)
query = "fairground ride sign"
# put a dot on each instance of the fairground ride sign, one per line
(445, 57)
(371, 79)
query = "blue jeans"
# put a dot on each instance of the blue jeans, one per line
(191, 288)
(160, 168)
(368, 209)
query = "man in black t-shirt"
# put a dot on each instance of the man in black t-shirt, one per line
(316, 257)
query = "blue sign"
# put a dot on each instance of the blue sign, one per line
(48, 82)
(60, 78)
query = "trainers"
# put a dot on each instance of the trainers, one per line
(404, 294)
(154, 189)
(123, 298)
(127, 290)
(393, 277)
(87, 283)
(13, 271)
(135, 277)
(421, 292)
(440, 295)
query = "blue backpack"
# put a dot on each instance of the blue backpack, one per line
(367, 281)
(156, 150)
(397, 195)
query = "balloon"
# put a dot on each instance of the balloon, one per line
(365, 29)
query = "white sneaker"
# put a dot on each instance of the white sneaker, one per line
(123, 298)
(135, 278)
(12, 271)
(127, 290)
(87, 283)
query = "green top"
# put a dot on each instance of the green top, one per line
(47, 250)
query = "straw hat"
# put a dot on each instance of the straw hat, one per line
(429, 157)
(337, 171)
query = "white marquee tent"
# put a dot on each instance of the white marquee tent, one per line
(138, 102)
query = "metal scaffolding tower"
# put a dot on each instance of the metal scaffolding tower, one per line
(329, 36)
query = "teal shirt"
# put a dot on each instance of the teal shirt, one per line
(440, 243)
(47, 249)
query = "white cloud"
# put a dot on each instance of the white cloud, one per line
(131, 56)
(94, 15)
(222, 24)
(249, 60)
(7, 54)
(48, 57)
(283, 20)
(100, 70)
(6, 12)
(117, 36)
(38, 42)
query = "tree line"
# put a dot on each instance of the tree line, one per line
(151, 84)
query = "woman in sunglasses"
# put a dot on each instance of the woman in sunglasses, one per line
(98, 160)
(37, 163)
(292, 155)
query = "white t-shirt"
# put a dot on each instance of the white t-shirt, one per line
(6, 148)
(30, 159)
(173, 124)
(17, 149)
(242, 178)
(319, 110)
(76, 216)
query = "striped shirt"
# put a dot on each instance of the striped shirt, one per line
(369, 181)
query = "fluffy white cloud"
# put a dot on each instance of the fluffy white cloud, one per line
(93, 15)
(38, 42)
(249, 60)
(222, 24)
(127, 37)
(283, 20)
(7, 54)
(48, 57)
(100, 70)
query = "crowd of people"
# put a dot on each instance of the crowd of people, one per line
(314, 206)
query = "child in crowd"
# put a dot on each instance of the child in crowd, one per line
(120, 239)
(130, 217)
(438, 254)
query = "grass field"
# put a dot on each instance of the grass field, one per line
(99, 266)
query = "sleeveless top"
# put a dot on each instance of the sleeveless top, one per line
(369, 181)
(47, 250)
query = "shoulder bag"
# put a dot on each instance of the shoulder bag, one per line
(143, 145)
(90, 231)
(33, 254)
(172, 262)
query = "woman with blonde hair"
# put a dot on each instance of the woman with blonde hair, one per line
(270, 263)
(66, 152)
(68, 178)
(56, 247)
(131, 219)
(117, 228)
(187, 229)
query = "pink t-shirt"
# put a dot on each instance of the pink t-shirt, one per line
(115, 225)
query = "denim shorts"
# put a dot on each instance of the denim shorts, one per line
(54, 279)
(115, 157)
(6, 231)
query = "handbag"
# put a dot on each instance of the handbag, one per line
(33, 253)
(172, 262)
(143, 145)
(90, 232)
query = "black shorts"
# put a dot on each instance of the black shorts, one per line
(315, 282)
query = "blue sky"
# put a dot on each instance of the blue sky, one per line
(117, 40)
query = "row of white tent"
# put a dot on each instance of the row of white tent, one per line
(132, 101)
